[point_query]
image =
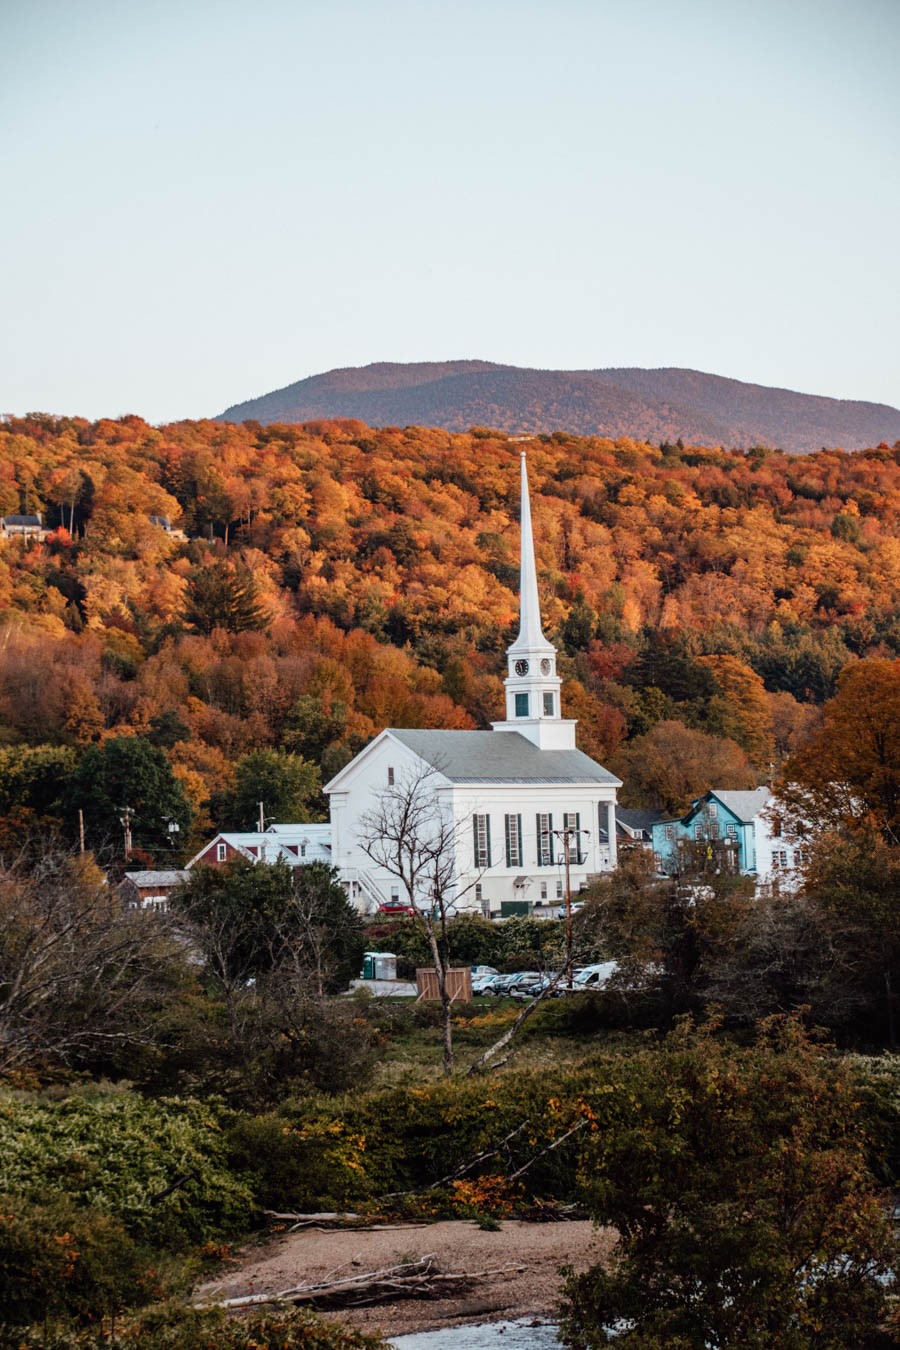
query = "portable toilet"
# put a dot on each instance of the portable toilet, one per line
(368, 970)
(385, 966)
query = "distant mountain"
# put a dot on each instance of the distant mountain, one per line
(651, 405)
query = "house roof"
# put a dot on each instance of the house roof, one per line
(271, 845)
(745, 805)
(144, 879)
(639, 818)
(501, 757)
(22, 520)
(318, 830)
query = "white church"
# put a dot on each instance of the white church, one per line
(518, 799)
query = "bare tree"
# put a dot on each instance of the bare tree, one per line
(412, 834)
(79, 973)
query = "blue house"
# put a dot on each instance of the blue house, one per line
(729, 824)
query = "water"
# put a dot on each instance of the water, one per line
(519, 1335)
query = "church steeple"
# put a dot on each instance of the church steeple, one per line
(532, 684)
(531, 637)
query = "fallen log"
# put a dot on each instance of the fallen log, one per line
(326, 1217)
(412, 1279)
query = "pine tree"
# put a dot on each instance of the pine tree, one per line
(223, 595)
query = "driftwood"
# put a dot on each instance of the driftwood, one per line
(461, 1170)
(550, 1147)
(334, 1219)
(411, 1279)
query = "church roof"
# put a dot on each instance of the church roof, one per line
(501, 757)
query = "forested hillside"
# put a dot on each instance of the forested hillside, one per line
(334, 580)
(655, 405)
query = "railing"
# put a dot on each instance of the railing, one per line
(360, 884)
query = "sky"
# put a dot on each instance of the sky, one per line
(206, 200)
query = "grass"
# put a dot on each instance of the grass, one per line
(413, 1047)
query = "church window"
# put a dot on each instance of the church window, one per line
(545, 839)
(521, 705)
(548, 705)
(572, 823)
(513, 841)
(482, 832)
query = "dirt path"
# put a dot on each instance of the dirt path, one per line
(541, 1248)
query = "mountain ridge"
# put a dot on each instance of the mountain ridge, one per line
(660, 404)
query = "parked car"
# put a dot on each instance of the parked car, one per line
(501, 984)
(531, 987)
(479, 971)
(395, 909)
(594, 977)
(481, 984)
(522, 982)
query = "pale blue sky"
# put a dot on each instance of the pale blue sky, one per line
(205, 201)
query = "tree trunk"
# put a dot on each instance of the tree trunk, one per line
(889, 999)
(446, 1011)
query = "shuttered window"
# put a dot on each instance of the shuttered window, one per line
(545, 840)
(481, 826)
(513, 841)
(572, 822)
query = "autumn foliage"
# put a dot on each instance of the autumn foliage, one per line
(320, 582)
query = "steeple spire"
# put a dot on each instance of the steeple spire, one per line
(532, 684)
(531, 637)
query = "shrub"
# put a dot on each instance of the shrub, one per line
(57, 1260)
(736, 1181)
(169, 1327)
(160, 1167)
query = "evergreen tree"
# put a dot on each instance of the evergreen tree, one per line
(223, 595)
(127, 772)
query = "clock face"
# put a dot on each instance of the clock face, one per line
(521, 667)
(545, 667)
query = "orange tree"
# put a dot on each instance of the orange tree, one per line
(737, 1182)
(848, 776)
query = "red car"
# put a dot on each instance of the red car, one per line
(395, 909)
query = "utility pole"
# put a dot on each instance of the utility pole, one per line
(565, 835)
(126, 821)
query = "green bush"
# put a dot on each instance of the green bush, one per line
(59, 1261)
(321, 1155)
(120, 1154)
(169, 1327)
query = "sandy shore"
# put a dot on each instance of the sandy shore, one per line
(541, 1248)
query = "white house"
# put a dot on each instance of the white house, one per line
(518, 798)
(293, 844)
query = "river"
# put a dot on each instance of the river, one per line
(523, 1335)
